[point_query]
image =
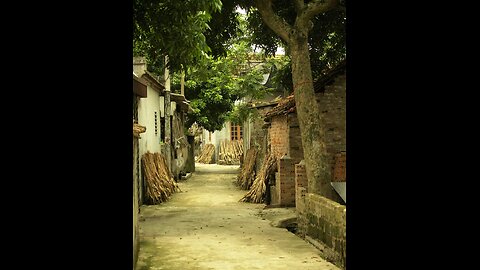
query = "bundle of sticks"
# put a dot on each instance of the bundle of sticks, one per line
(257, 191)
(247, 174)
(230, 152)
(137, 129)
(159, 179)
(207, 155)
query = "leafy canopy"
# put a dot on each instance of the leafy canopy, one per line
(215, 86)
(174, 28)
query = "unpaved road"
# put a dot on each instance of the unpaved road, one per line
(205, 227)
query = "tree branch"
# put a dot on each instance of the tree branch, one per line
(299, 5)
(313, 8)
(273, 21)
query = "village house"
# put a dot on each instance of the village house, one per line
(321, 220)
(154, 112)
(139, 91)
(150, 112)
(247, 130)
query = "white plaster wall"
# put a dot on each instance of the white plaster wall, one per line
(146, 117)
(222, 134)
(217, 137)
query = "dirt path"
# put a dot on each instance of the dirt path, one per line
(205, 227)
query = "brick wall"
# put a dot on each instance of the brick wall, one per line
(301, 186)
(332, 107)
(295, 150)
(339, 168)
(285, 181)
(323, 222)
(279, 137)
(285, 139)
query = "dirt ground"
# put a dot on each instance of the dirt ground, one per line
(206, 227)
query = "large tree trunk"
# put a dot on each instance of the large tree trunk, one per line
(309, 116)
(310, 120)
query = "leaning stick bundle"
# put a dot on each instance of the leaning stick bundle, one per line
(137, 129)
(207, 155)
(230, 152)
(247, 174)
(159, 179)
(257, 191)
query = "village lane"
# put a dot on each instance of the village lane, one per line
(206, 227)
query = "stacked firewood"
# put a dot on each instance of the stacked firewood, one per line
(207, 155)
(230, 152)
(257, 191)
(247, 174)
(159, 179)
(137, 129)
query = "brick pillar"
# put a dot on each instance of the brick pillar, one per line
(286, 182)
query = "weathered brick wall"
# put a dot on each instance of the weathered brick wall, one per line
(301, 186)
(286, 143)
(332, 107)
(324, 221)
(295, 150)
(339, 169)
(285, 182)
(279, 135)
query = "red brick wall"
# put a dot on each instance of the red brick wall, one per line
(301, 187)
(285, 183)
(285, 139)
(339, 169)
(295, 150)
(332, 107)
(279, 135)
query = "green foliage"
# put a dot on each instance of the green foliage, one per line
(241, 113)
(173, 28)
(214, 86)
(212, 43)
(224, 29)
(327, 39)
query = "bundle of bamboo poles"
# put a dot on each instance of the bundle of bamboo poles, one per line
(247, 174)
(257, 191)
(230, 152)
(159, 179)
(207, 155)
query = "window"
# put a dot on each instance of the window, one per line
(235, 132)
(156, 125)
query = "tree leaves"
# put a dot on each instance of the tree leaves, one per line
(173, 28)
(214, 85)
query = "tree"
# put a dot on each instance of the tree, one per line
(326, 39)
(176, 28)
(173, 28)
(216, 84)
(294, 32)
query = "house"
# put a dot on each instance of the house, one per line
(182, 148)
(248, 130)
(321, 220)
(154, 112)
(255, 128)
(139, 91)
(230, 133)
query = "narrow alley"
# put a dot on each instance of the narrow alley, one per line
(206, 227)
